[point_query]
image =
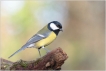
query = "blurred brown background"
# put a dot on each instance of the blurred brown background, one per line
(83, 23)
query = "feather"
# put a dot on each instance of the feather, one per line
(43, 33)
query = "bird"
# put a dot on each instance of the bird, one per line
(43, 37)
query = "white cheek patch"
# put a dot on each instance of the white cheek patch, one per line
(53, 26)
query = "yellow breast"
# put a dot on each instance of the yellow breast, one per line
(46, 41)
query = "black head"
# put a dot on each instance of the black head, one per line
(55, 26)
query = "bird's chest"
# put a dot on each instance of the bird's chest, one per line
(46, 41)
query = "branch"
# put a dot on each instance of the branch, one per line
(52, 61)
(5, 64)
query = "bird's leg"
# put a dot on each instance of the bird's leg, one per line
(39, 52)
(46, 49)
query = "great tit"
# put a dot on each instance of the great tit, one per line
(43, 37)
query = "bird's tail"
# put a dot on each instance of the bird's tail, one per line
(16, 52)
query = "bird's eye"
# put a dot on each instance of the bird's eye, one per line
(53, 26)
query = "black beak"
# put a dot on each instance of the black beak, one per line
(61, 30)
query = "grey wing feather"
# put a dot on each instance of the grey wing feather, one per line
(22, 48)
(16, 52)
(35, 38)
(32, 40)
(45, 32)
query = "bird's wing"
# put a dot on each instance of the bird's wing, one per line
(30, 42)
(37, 37)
